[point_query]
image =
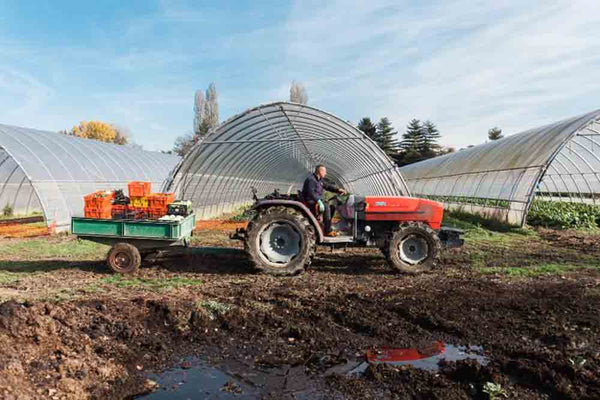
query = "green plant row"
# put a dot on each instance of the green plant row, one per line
(563, 215)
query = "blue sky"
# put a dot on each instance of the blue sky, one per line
(467, 65)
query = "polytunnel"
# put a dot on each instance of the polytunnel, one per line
(500, 179)
(275, 146)
(50, 172)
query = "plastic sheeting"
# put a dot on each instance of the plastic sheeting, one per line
(499, 179)
(51, 172)
(276, 146)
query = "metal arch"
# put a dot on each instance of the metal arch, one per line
(530, 154)
(275, 144)
(49, 161)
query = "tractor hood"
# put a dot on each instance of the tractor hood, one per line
(398, 208)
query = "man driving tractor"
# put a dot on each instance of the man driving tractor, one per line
(312, 191)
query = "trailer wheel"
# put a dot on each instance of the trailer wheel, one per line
(124, 258)
(280, 241)
(413, 248)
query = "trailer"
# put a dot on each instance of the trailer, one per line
(132, 240)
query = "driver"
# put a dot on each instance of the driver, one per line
(312, 190)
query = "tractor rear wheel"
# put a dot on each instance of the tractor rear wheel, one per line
(413, 248)
(280, 241)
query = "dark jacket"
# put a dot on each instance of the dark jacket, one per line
(313, 188)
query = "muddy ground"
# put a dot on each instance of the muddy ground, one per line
(71, 330)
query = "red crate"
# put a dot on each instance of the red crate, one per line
(160, 200)
(119, 211)
(139, 189)
(138, 212)
(156, 212)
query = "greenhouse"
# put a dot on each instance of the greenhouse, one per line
(275, 146)
(500, 179)
(49, 173)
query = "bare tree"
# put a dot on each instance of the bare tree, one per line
(183, 144)
(210, 116)
(298, 93)
(198, 110)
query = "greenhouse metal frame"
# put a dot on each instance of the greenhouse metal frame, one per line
(276, 146)
(50, 172)
(500, 179)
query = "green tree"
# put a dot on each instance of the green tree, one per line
(386, 135)
(495, 133)
(368, 128)
(413, 138)
(429, 142)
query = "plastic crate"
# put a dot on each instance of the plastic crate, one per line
(139, 189)
(156, 212)
(137, 212)
(183, 208)
(99, 199)
(98, 213)
(160, 200)
(119, 211)
(139, 201)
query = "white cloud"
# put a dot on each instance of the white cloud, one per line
(466, 65)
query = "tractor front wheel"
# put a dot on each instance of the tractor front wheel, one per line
(280, 241)
(413, 248)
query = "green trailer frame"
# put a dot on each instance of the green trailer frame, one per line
(130, 240)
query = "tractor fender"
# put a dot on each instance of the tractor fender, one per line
(298, 206)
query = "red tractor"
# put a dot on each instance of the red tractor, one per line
(282, 237)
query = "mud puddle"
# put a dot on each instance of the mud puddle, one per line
(426, 358)
(196, 378)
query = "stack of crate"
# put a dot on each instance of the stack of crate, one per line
(141, 204)
(138, 198)
(98, 205)
(157, 204)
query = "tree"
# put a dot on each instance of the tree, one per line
(98, 130)
(495, 133)
(206, 112)
(428, 146)
(386, 133)
(210, 116)
(183, 144)
(368, 128)
(298, 93)
(198, 110)
(413, 138)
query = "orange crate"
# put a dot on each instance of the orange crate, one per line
(160, 200)
(139, 189)
(98, 213)
(99, 199)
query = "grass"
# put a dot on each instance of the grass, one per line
(50, 248)
(150, 284)
(479, 228)
(536, 270)
(215, 308)
(9, 278)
